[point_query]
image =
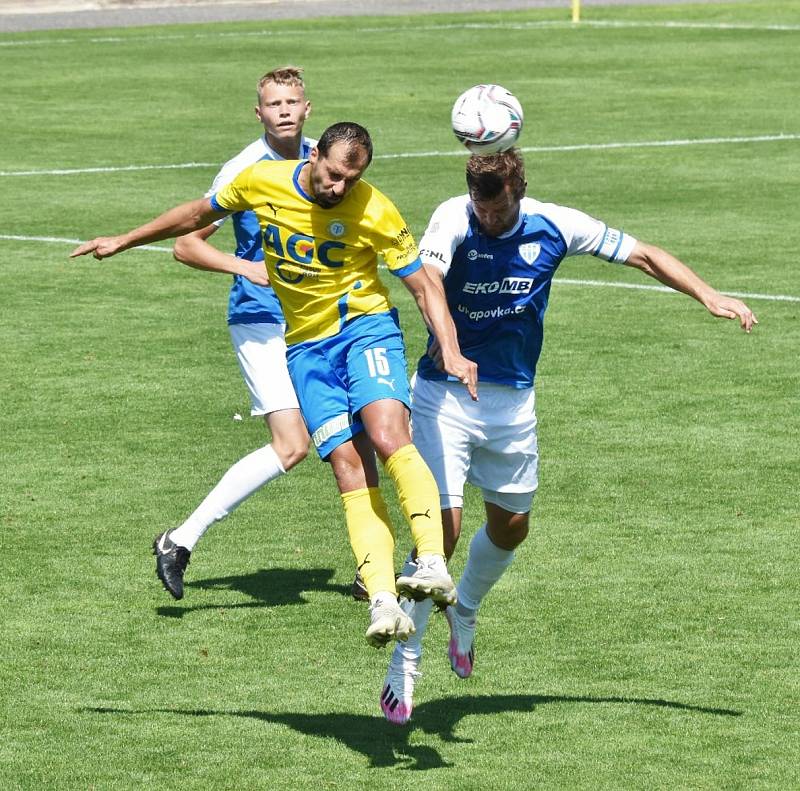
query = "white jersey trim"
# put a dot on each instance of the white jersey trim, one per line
(583, 235)
(255, 152)
(446, 230)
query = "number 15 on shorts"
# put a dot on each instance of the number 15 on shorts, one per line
(377, 363)
(386, 370)
(383, 374)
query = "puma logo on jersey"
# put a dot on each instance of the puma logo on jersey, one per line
(389, 382)
(426, 514)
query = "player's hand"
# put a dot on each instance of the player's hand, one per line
(256, 274)
(731, 308)
(435, 353)
(465, 371)
(102, 247)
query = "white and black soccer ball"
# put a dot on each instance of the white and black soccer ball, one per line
(487, 119)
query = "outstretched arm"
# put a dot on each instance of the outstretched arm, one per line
(433, 306)
(668, 270)
(193, 250)
(175, 222)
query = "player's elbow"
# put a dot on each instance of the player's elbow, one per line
(643, 258)
(181, 250)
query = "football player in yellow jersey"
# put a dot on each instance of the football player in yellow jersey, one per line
(323, 230)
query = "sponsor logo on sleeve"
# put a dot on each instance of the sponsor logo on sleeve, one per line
(402, 239)
(426, 252)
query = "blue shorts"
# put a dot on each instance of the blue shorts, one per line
(336, 377)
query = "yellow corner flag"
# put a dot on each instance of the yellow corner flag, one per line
(576, 10)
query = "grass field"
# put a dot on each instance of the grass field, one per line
(647, 635)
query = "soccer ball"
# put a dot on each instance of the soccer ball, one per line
(487, 119)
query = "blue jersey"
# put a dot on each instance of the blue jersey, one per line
(497, 288)
(249, 303)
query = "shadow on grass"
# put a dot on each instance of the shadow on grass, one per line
(389, 745)
(266, 588)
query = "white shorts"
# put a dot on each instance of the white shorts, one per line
(491, 443)
(261, 351)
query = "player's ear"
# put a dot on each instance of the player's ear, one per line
(308, 110)
(258, 114)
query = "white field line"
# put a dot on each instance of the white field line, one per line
(642, 287)
(558, 281)
(392, 29)
(701, 141)
(109, 169)
(63, 240)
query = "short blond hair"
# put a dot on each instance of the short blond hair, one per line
(284, 75)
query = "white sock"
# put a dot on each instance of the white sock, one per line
(382, 598)
(485, 565)
(420, 613)
(247, 476)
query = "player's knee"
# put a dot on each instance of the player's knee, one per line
(291, 453)
(387, 440)
(294, 456)
(520, 532)
(509, 534)
(450, 542)
(179, 251)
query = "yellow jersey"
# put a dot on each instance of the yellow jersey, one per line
(322, 262)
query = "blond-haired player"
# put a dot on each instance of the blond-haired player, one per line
(255, 322)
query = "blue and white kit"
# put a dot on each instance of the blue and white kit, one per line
(255, 317)
(497, 289)
(248, 302)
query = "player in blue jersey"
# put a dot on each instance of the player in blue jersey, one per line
(256, 326)
(323, 229)
(494, 253)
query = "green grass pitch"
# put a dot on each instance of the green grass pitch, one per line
(647, 635)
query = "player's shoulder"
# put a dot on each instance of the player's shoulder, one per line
(365, 190)
(459, 204)
(235, 165)
(531, 207)
(564, 218)
(371, 201)
(449, 221)
(306, 145)
(451, 213)
(249, 155)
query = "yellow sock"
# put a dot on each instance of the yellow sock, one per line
(371, 537)
(419, 499)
